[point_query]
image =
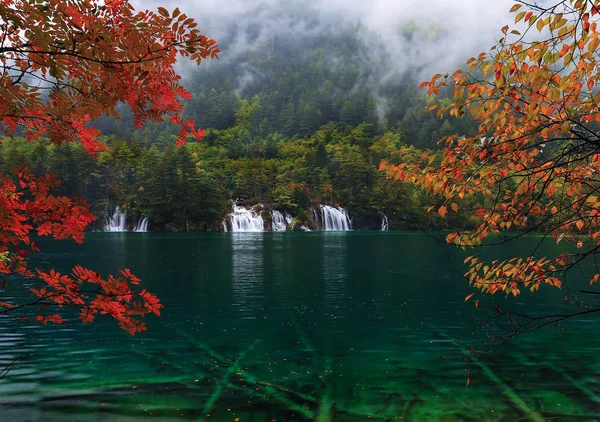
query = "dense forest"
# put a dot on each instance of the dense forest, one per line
(298, 122)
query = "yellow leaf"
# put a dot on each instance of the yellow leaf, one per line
(515, 8)
(486, 69)
(454, 207)
(593, 45)
(540, 25)
(469, 297)
(553, 94)
(532, 20)
(579, 224)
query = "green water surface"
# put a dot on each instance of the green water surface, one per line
(295, 327)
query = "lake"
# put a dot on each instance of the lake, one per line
(347, 326)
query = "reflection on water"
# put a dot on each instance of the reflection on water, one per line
(334, 269)
(340, 327)
(247, 273)
(118, 245)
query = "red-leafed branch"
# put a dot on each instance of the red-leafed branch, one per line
(26, 208)
(64, 64)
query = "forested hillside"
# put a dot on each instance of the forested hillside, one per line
(295, 121)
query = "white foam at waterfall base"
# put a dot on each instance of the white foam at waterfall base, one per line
(278, 222)
(246, 220)
(335, 219)
(116, 223)
(142, 225)
(384, 223)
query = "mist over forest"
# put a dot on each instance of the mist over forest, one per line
(302, 105)
(379, 51)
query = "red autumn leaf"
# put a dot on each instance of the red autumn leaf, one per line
(92, 56)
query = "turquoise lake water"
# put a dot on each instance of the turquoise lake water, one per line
(347, 326)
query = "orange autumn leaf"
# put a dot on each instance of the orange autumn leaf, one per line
(442, 211)
(533, 162)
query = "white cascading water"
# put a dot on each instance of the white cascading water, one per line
(116, 223)
(305, 229)
(278, 222)
(315, 216)
(246, 220)
(225, 226)
(384, 223)
(335, 219)
(142, 225)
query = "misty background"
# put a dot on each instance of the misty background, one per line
(304, 103)
(305, 64)
(433, 36)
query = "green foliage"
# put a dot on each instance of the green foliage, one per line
(293, 84)
(296, 122)
(190, 187)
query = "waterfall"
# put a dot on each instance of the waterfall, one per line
(315, 216)
(278, 222)
(305, 229)
(116, 223)
(225, 226)
(244, 220)
(142, 225)
(384, 223)
(335, 219)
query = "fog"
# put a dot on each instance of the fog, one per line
(449, 31)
